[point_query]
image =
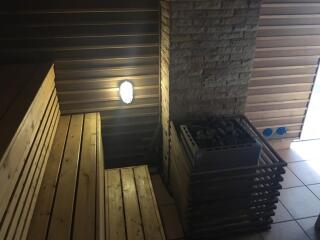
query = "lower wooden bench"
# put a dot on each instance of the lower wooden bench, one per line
(70, 203)
(131, 207)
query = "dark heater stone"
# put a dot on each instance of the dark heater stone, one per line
(219, 143)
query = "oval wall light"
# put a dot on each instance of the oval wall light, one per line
(126, 92)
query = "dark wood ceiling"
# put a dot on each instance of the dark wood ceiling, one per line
(36, 5)
(93, 51)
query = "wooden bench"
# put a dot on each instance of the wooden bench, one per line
(131, 207)
(68, 202)
(51, 166)
(53, 182)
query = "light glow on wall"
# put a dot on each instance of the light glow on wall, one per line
(126, 92)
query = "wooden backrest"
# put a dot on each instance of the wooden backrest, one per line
(71, 199)
(28, 123)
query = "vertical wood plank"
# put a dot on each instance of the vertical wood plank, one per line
(16, 154)
(149, 210)
(115, 215)
(61, 218)
(100, 209)
(85, 204)
(42, 212)
(131, 205)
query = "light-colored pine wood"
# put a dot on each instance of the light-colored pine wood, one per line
(24, 180)
(148, 206)
(100, 194)
(131, 205)
(40, 219)
(16, 154)
(17, 112)
(115, 209)
(61, 218)
(85, 203)
(45, 154)
(35, 180)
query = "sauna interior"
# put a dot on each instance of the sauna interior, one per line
(159, 119)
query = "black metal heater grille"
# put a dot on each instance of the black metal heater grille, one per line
(223, 186)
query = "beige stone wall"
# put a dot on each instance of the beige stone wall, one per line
(207, 50)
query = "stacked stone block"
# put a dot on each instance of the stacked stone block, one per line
(207, 50)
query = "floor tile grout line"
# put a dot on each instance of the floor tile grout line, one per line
(293, 219)
(312, 192)
(306, 185)
(303, 230)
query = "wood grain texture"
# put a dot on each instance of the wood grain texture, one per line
(84, 224)
(148, 206)
(131, 207)
(40, 172)
(22, 189)
(285, 64)
(100, 193)
(94, 51)
(61, 219)
(26, 133)
(115, 218)
(42, 212)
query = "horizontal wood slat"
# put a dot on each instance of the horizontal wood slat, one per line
(285, 66)
(94, 51)
(25, 158)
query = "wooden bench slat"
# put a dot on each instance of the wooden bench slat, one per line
(23, 181)
(29, 195)
(16, 154)
(148, 206)
(85, 215)
(100, 193)
(134, 214)
(61, 219)
(115, 217)
(40, 172)
(40, 220)
(131, 205)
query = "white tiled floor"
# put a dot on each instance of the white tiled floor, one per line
(299, 203)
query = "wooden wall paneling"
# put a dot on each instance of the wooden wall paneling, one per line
(14, 158)
(62, 212)
(15, 206)
(93, 50)
(285, 66)
(40, 220)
